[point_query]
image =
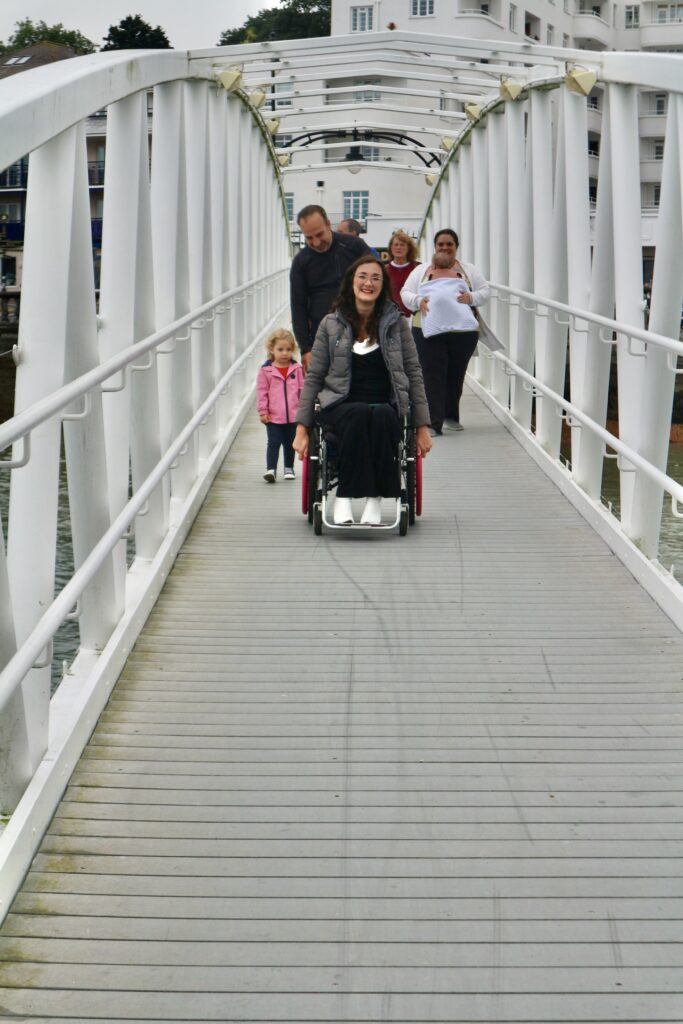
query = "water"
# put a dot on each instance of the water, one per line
(671, 536)
(66, 638)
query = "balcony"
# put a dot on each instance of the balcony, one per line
(11, 230)
(15, 176)
(590, 30)
(661, 34)
(96, 172)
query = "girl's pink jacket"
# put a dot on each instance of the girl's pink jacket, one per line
(276, 396)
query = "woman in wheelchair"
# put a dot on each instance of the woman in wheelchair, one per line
(365, 374)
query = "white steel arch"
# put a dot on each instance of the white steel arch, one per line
(567, 284)
(145, 383)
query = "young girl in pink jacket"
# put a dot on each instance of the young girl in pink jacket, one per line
(278, 389)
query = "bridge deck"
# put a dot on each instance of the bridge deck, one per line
(374, 779)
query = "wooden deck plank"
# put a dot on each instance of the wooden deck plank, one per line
(420, 780)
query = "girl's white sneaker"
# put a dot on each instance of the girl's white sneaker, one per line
(372, 512)
(343, 511)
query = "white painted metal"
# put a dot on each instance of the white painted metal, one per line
(572, 271)
(659, 368)
(84, 432)
(158, 286)
(42, 340)
(628, 273)
(520, 258)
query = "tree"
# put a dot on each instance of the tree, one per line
(293, 19)
(26, 34)
(132, 33)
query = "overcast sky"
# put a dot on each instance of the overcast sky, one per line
(189, 24)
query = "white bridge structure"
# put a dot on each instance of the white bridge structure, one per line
(426, 779)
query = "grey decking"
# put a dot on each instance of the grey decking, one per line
(374, 779)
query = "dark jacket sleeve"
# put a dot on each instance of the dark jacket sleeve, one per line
(315, 377)
(298, 301)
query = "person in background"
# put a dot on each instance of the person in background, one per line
(402, 260)
(366, 374)
(278, 390)
(444, 356)
(353, 227)
(316, 273)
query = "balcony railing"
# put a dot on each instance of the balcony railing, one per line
(11, 231)
(15, 176)
(96, 172)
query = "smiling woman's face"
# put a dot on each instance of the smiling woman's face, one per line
(367, 283)
(445, 246)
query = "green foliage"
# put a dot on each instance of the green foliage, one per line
(26, 33)
(132, 33)
(293, 19)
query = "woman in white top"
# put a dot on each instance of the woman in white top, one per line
(448, 340)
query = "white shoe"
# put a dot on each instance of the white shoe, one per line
(269, 476)
(372, 512)
(289, 474)
(343, 511)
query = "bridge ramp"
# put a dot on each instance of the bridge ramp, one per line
(360, 778)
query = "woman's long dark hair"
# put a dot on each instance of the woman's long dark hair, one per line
(345, 302)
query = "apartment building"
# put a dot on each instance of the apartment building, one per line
(378, 166)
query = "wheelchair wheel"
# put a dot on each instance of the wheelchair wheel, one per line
(305, 472)
(412, 470)
(403, 522)
(317, 519)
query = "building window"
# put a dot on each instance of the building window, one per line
(16, 60)
(658, 149)
(289, 205)
(282, 141)
(669, 12)
(632, 16)
(280, 97)
(593, 103)
(421, 8)
(593, 147)
(361, 19)
(566, 41)
(370, 153)
(512, 18)
(371, 95)
(660, 103)
(549, 35)
(650, 194)
(10, 212)
(355, 205)
(592, 191)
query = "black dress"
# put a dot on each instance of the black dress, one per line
(368, 430)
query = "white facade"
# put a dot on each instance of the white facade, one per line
(421, 96)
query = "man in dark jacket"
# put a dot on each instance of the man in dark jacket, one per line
(316, 273)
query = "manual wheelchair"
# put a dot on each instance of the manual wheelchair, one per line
(319, 477)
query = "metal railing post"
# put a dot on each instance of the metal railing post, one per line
(42, 340)
(658, 374)
(628, 272)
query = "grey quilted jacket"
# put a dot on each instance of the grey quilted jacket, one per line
(329, 374)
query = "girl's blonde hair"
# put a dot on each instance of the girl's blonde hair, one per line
(280, 334)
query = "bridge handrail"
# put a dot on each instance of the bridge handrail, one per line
(22, 424)
(667, 483)
(577, 313)
(45, 629)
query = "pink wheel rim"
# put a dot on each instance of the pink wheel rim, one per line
(304, 486)
(418, 486)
